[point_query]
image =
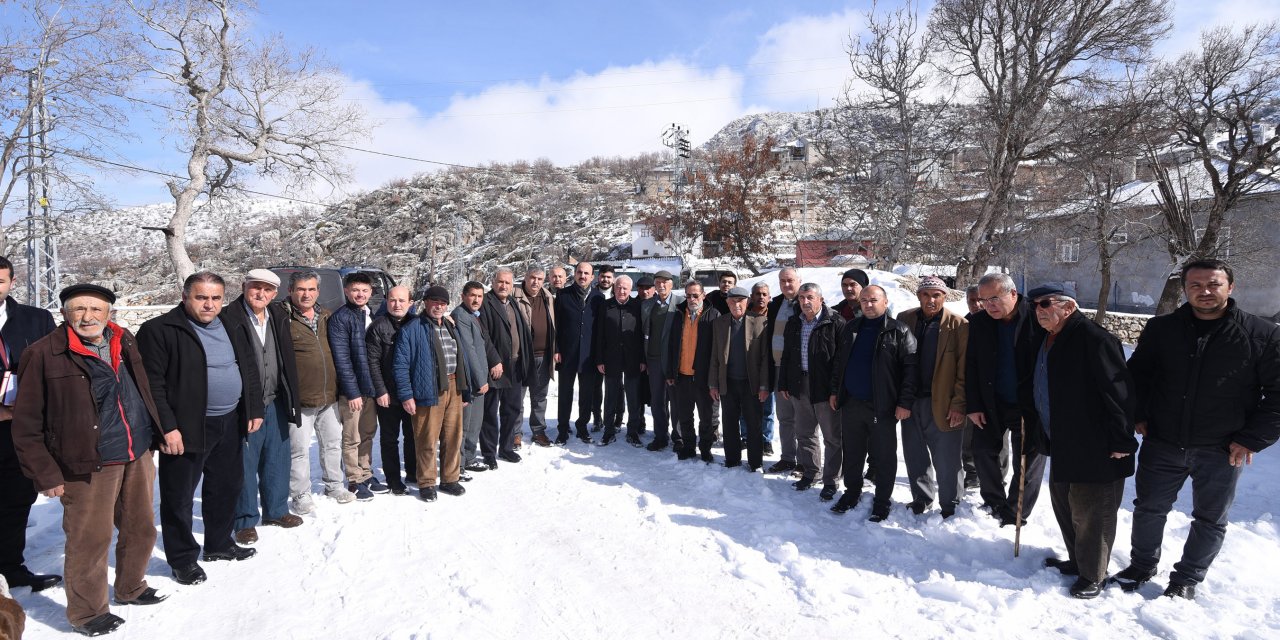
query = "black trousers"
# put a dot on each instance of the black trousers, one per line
(740, 403)
(688, 394)
(862, 431)
(587, 381)
(17, 494)
(393, 422)
(221, 465)
(659, 401)
(503, 409)
(1086, 514)
(988, 445)
(617, 387)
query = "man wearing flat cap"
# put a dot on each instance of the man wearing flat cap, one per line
(739, 377)
(1082, 396)
(432, 382)
(656, 316)
(84, 426)
(265, 326)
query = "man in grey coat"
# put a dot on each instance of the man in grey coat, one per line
(656, 315)
(475, 351)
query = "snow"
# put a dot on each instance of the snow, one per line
(618, 542)
(900, 299)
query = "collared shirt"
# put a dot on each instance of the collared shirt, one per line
(4, 312)
(806, 329)
(260, 326)
(447, 345)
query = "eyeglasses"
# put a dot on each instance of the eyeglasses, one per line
(991, 300)
(1046, 303)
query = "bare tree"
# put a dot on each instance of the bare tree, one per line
(1020, 55)
(736, 200)
(240, 104)
(1221, 105)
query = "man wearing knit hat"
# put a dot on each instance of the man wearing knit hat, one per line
(851, 284)
(932, 437)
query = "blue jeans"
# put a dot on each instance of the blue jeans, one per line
(768, 422)
(266, 470)
(1162, 470)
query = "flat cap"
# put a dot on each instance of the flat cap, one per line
(263, 275)
(644, 281)
(664, 274)
(1052, 289)
(436, 293)
(80, 289)
(932, 282)
(859, 276)
(738, 292)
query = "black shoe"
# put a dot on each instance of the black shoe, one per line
(1085, 589)
(562, 440)
(190, 574)
(595, 427)
(846, 502)
(879, 514)
(101, 625)
(1007, 516)
(685, 454)
(1065, 567)
(1132, 578)
(452, 489)
(585, 438)
(490, 463)
(1185, 591)
(755, 468)
(947, 513)
(768, 448)
(234, 552)
(399, 490)
(148, 596)
(781, 466)
(509, 456)
(707, 457)
(465, 477)
(609, 437)
(375, 485)
(970, 483)
(634, 440)
(37, 581)
(802, 484)
(918, 507)
(657, 445)
(427, 494)
(731, 464)
(828, 494)
(476, 466)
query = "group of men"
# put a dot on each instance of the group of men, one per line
(232, 394)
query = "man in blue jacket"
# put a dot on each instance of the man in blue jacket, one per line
(356, 407)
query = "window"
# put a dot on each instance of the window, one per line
(1224, 242)
(644, 232)
(1120, 237)
(1068, 249)
(797, 152)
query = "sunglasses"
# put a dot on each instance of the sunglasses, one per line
(1045, 304)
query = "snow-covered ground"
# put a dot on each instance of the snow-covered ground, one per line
(591, 542)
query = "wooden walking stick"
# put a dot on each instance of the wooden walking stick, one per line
(1022, 487)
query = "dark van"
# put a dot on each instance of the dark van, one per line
(331, 296)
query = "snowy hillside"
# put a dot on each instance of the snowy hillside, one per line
(615, 542)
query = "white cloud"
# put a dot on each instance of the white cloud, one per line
(803, 63)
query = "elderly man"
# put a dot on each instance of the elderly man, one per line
(1003, 338)
(618, 354)
(475, 351)
(380, 341)
(348, 326)
(576, 308)
(1082, 396)
(873, 388)
(688, 367)
(318, 393)
(656, 315)
(208, 396)
(1208, 387)
(781, 308)
(538, 309)
(645, 288)
(20, 325)
(513, 345)
(758, 305)
(719, 298)
(932, 438)
(431, 376)
(83, 427)
(266, 451)
(804, 380)
(556, 280)
(970, 469)
(739, 377)
(851, 285)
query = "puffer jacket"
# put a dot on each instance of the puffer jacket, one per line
(350, 356)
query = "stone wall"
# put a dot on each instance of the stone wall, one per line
(1125, 326)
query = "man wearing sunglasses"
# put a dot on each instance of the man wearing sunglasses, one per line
(1003, 338)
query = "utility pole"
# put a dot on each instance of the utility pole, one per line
(43, 270)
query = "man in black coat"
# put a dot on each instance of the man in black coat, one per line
(872, 386)
(205, 383)
(266, 451)
(781, 308)
(576, 306)
(1003, 339)
(20, 325)
(393, 421)
(513, 343)
(618, 354)
(1082, 397)
(804, 379)
(1208, 385)
(687, 367)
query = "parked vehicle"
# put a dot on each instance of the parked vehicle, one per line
(331, 296)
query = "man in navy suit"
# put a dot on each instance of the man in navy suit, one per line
(20, 325)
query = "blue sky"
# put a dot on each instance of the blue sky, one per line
(473, 82)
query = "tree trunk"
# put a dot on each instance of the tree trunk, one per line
(1170, 296)
(1104, 288)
